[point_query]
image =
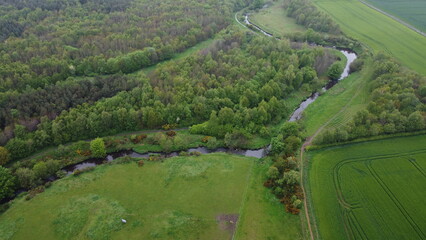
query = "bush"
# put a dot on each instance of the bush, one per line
(7, 183)
(80, 171)
(237, 139)
(26, 178)
(33, 192)
(195, 153)
(97, 146)
(141, 163)
(356, 65)
(205, 139)
(171, 133)
(61, 174)
(184, 154)
(212, 143)
(335, 70)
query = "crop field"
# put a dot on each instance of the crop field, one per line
(410, 11)
(180, 198)
(371, 190)
(379, 32)
(274, 19)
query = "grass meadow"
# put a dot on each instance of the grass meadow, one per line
(377, 31)
(179, 198)
(410, 11)
(370, 190)
(274, 19)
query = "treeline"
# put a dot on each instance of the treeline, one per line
(27, 108)
(308, 15)
(47, 41)
(240, 83)
(398, 98)
(283, 175)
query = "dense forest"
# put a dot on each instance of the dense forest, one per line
(48, 41)
(44, 43)
(308, 15)
(238, 85)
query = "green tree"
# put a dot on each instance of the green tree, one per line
(97, 146)
(335, 70)
(416, 121)
(7, 183)
(291, 177)
(40, 170)
(4, 155)
(273, 172)
(26, 178)
(277, 145)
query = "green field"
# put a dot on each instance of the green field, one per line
(378, 31)
(180, 198)
(410, 11)
(273, 19)
(370, 190)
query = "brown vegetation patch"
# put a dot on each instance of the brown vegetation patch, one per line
(228, 222)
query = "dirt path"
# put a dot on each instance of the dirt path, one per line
(394, 18)
(309, 142)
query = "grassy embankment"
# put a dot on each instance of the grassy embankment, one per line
(410, 11)
(379, 32)
(370, 190)
(180, 198)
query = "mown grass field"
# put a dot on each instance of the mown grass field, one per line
(378, 31)
(370, 190)
(274, 19)
(410, 11)
(180, 198)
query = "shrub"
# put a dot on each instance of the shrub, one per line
(205, 139)
(212, 143)
(97, 146)
(171, 133)
(356, 65)
(335, 70)
(195, 153)
(26, 178)
(184, 154)
(80, 171)
(61, 173)
(33, 192)
(141, 163)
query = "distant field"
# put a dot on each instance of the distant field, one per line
(274, 19)
(180, 198)
(378, 31)
(411, 11)
(371, 190)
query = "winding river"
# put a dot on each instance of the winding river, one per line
(257, 153)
